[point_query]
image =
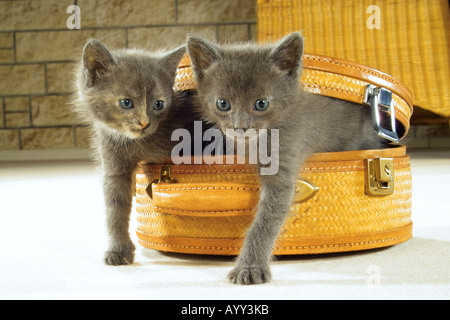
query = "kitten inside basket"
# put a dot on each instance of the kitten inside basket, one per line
(257, 87)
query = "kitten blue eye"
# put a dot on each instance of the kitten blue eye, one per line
(126, 103)
(223, 105)
(158, 105)
(261, 104)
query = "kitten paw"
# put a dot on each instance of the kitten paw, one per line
(250, 274)
(114, 258)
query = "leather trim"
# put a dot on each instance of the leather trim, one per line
(358, 71)
(204, 199)
(298, 245)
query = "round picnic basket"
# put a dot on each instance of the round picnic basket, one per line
(344, 201)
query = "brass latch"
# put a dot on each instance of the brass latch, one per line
(304, 190)
(379, 177)
(165, 177)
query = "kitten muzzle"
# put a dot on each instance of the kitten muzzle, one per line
(144, 124)
(140, 132)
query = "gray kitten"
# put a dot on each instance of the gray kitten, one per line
(127, 96)
(257, 87)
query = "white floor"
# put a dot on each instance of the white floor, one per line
(52, 238)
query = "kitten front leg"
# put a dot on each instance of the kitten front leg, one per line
(118, 199)
(252, 265)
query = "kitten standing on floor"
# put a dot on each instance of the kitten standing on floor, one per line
(127, 97)
(257, 87)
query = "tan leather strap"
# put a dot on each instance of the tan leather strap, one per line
(357, 71)
(334, 78)
(346, 80)
(206, 199)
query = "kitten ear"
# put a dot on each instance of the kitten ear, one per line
(96, 60)
(171, 60)
(288, 54)
(202, 53)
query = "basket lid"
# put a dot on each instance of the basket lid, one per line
(335, 78)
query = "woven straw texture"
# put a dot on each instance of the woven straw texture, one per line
(412, 42)
(340, 217)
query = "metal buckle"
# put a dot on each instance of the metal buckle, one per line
(165, 177)
(379, 177)
(380, 100)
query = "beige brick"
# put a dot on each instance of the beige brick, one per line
(254, 32)
(416, 143)
(423, 130)
(83, 137)
(440, 142)
(40, 46)
(17, 119)
(95, 13)
(233, 33)
(166, 37)
(60, 77)
(16, 103)
(6, 55)
(216, 11)
(9, 139)
(21, 79)
(51, 111)
(6, 40)
(47, 138)
(22, 15)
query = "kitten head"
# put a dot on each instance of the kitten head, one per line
(246, 86)
(128, 92)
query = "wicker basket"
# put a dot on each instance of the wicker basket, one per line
(339, 217)
(412, 42)
(197, 212)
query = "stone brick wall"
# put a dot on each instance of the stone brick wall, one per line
(37, 51)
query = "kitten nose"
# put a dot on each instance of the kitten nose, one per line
(241, 121)
(144, 124)
(241, 124)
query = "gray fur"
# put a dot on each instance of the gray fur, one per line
(123, 138)
(307, 123)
